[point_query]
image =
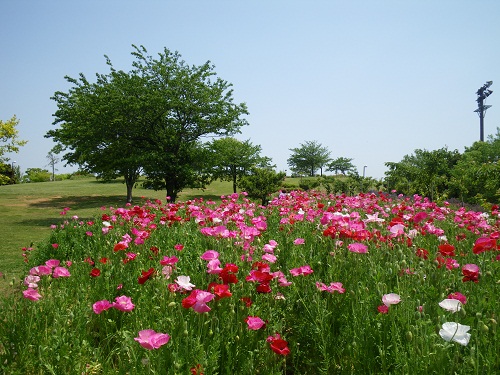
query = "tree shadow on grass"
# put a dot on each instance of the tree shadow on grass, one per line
(79, 202)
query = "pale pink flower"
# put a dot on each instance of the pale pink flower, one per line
(150, 339)
(213, 267)
(167, 271)
(269, 257)
(123, 303)
(184, 282)
(333, 287)
(101, 306)
(452, 305)
(31, 281)
(391, 299)
(255, 323)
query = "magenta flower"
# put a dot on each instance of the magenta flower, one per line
(299, 241)
(332, 288)
(52, 263)
(123, 303)
(197, 300)
(41, 270)
(269, 257)
(471, 273)
(458, 296)
(391, 299)
(357, 247)
(150, 339)
(169, 261)
(31, 294)
(60, 272)
(255, 323)
(101, 306)
(210, 255)
(301, 271)
(383, 309)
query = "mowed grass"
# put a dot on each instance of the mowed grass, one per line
(28, 210)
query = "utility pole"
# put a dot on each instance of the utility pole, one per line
(482, 94)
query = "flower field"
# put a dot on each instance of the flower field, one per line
(310, 284)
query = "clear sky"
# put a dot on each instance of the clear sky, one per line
(371, 80)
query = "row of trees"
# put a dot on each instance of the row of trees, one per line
(312, 155)
(472, 177)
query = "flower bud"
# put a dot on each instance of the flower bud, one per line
(409, 336)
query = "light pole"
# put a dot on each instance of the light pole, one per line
(364, 169)
(482, 94)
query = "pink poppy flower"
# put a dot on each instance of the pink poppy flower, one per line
(269, 257)
(391, 299)
(31, 294)
(123, 303)
(52, 263)
(179, 247)
(197, 300)
(169, 261)
(301, 271)
(167, 271)
(60, 272)
(278, 345)
(31, 281)
(149, 339)
(210, 255)
(255, 323)
(357, 247)
(299, 241)
(332, 288)
(458, 296)
(41, 270)
(471, 273)
(101, 306)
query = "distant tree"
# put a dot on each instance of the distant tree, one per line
(53, 159)
(341, 164)
(427, 173)
(36, 175)
(9, 138)
(308, 158)
(261, 183)
(149, 119)
(233, 159)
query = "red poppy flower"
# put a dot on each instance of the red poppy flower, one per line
(220, 290)
(447, 250)
(278, 345)
(95, 272)
(145, 275)
(471, 273)
(484, 244)
(228, 274)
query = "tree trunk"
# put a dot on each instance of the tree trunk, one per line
(233, 171)
(171, 191)
(130, 185)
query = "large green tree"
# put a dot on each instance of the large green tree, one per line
(233, 159)
(341, 164)
(308, 158)
(9, 142)
(149, 120)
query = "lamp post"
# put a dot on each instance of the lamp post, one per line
(482, 94)
(12, 169)
(364, 169)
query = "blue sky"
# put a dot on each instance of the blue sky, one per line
(371, 80)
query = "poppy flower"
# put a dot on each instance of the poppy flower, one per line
(457, 332)
(484, 244)
(197, 300)
(101, 306)
(149, 339)
(471, 273)
(278, 345)
(228, 274)
(96, 272)
(184, 282)
(422, 253)
(31, 294)
(220, 290)
(255, 323)
(145, 275)
(447, 250)
(60, 272)
(357, 247)
(383, 309)
(123, 303)
(452, 305)
(301, 271)
(391, 299)
(458, 296)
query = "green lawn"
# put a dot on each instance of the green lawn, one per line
(28, 210)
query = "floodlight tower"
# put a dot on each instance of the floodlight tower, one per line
(482, 94)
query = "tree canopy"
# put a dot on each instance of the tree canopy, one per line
(149, 120)
(308, 158)
(233, 159)
(341, 164)
(9, 138)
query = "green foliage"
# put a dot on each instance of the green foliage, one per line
(9, 138)
(342, 165)
(232, 159)
(308, 158)
(7, 174)
(261, 183)
(149, 119)
(36, 175)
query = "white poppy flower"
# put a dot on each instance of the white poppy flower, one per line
(457, 332)
(452, 305)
